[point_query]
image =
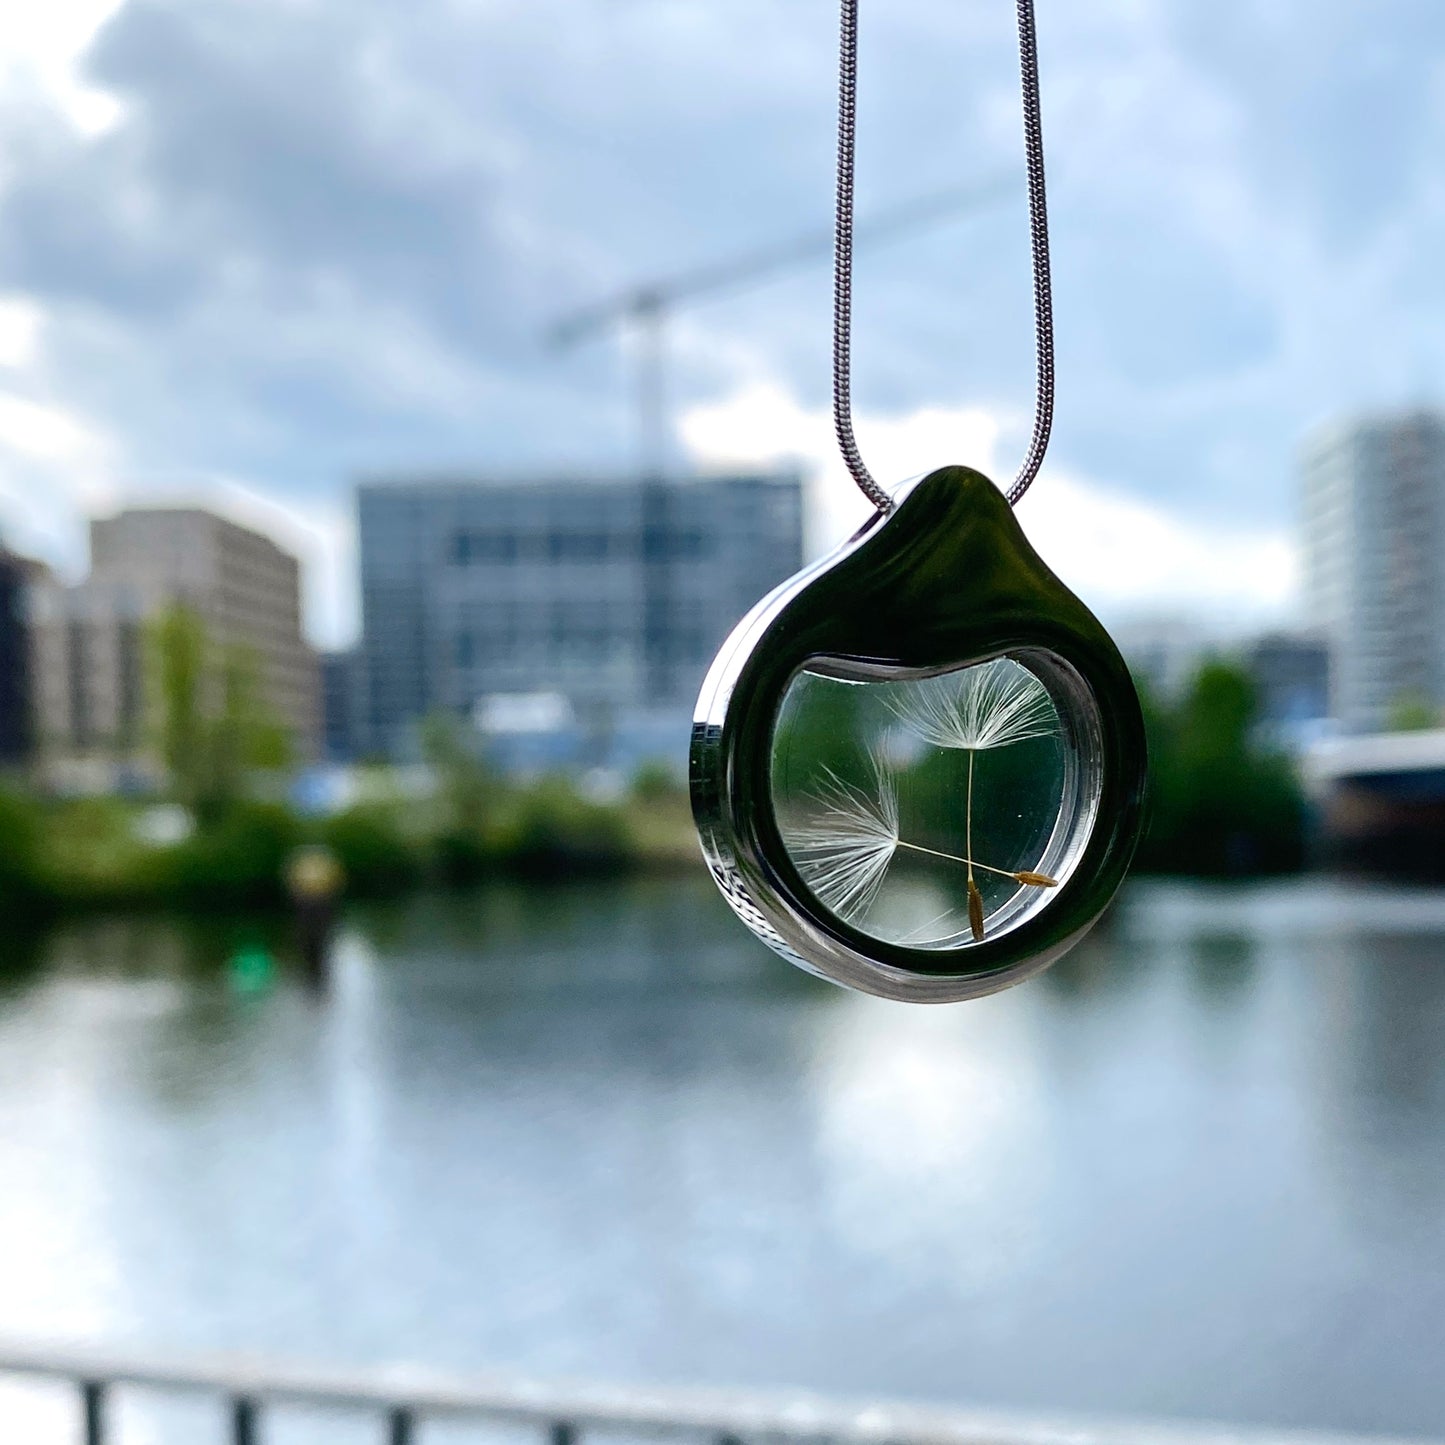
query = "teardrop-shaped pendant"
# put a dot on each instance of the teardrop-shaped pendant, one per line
(918, 766)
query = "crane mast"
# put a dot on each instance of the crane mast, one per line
(646, 309)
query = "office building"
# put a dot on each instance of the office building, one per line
(612, 595)
(341, 703)
(1374, 536)
(89, 645)
(1164, 652)
(245, 588)
(18, 576)
(88, 650)
(1291, 676)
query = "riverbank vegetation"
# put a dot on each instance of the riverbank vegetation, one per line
(1222, 803)
(65, 855)
(219, 830)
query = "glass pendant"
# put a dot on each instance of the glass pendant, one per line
(918, 766)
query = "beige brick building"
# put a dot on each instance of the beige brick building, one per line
(89, 639)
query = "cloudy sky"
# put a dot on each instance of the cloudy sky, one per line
(250, 249)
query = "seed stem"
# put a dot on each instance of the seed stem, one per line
(968, 817)
(975, 898)
(954, 858)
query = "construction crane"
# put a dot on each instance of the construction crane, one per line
(645, 309)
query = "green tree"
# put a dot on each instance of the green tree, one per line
(1412, 713)
(555, 831)
(240, 856)
(21, 886)
(214, 723)
(465, 790)
(1220, 802)
(374, 852)
(246, 735)
(179, 648)
(656, 782)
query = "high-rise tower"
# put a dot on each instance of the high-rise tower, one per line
(1374, 538)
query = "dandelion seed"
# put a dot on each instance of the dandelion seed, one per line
(993, 705)
(975, 911)
(844, 852)
(846, 847)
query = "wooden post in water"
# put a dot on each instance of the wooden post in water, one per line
(314, 880)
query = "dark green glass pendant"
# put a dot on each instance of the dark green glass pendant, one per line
(918, 766)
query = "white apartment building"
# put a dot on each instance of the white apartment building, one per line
(1374, 538)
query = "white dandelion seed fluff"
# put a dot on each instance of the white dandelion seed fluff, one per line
(845, 848)
(992, 705)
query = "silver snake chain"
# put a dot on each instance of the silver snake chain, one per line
(843, 257)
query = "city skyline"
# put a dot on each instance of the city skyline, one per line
(371, 215)
(1117, 555)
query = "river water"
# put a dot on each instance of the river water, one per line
(1196, 1170)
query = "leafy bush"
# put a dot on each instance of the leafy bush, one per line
(462, 856)
(22, 885)
(656, 782)
(556, 831)
(374, 853)
(241, 856)
(91, 856)
(1219, 803)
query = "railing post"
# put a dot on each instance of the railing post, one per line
(562, 1432)
(401, 1426)
(244, 1416)
(92, 1398)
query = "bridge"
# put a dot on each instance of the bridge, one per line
(1380, 801)
(403, 1398)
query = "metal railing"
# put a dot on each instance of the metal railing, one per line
(401, 1398)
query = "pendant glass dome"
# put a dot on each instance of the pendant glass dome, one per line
(931, 812)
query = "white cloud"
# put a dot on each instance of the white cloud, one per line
(762, 424)
(55, 468)
(20, 321)
(40, 49)
(1120, 553)
(1117, 552)
(46, 433)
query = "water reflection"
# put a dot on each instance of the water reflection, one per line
(1393, 1011)
(1198, 1168)
(1221, 966)
(23, 951)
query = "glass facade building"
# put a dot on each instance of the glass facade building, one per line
(612, 594)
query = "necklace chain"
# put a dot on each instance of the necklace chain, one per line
(843, 257)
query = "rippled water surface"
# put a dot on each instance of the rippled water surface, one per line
(1196, 1170)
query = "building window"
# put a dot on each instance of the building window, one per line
(675, 544)
(472, 546)
(76, 650)
(131, 664)
(577, 546)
